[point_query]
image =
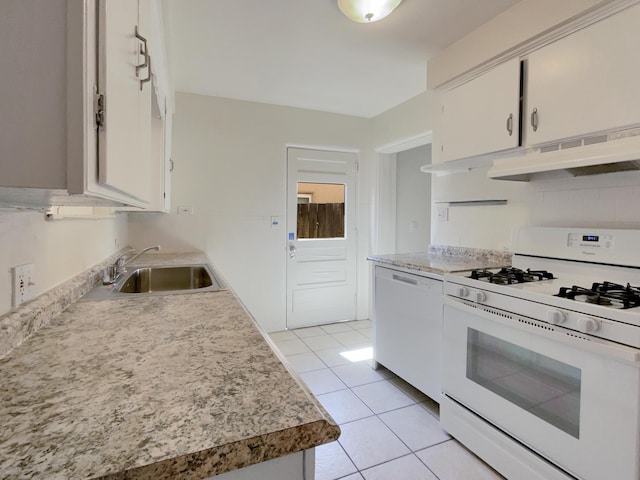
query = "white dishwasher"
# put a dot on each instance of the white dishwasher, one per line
(408, 327)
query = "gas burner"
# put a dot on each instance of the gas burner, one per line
(605, 293)
(480, 273)
(598, 300)
(511, 275)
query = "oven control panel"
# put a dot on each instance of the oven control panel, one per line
(586, 240)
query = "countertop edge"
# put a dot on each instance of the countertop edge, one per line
(443, 259)
(235, 455)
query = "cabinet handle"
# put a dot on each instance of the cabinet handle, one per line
(144, 50)
(410, 281)
(510, 124)
(534, 119)
(170, 165)
(148, 77)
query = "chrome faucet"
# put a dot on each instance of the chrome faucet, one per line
(112, 272)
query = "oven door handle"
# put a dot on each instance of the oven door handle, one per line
(575, 339)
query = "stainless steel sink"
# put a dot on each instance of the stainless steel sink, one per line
(163, 279)
(159, 280)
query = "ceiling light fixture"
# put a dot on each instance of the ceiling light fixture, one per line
(367, 11)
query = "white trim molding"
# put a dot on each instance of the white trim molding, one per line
(571, 25)
(407, 143)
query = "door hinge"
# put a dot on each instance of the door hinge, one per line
(100, 110)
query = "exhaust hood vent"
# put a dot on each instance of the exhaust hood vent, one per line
(594, 155)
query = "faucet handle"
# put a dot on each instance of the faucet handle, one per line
(108, 274)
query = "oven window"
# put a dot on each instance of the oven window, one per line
(544, 387)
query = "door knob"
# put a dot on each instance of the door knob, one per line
(292, 251)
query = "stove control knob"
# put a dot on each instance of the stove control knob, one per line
(556, 316)
(462, 292)
(588, 325)
(480, 296)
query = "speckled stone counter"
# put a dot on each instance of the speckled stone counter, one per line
(441, 259)
(166, 387)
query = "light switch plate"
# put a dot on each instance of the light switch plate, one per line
(442, 213)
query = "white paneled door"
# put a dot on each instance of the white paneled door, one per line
(321, 243)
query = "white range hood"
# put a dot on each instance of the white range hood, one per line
(614, 152)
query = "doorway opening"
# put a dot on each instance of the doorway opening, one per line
(404, 197)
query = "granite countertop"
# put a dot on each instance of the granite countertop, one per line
(442, 259)
(164, 387)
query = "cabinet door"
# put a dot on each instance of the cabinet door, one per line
(123, 163)
(586, 82)
(481, 116)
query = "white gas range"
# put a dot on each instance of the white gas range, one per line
(541, 370)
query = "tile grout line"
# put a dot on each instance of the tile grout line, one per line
(374, 414)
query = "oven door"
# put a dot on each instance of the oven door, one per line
(554, 390)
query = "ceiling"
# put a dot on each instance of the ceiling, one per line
(305, 53)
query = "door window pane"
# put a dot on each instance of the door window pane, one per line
(320, 210)
(545, 387)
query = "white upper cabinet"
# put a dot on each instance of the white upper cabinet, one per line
(482, 115)
(76, 102)
(586, 82)
(154, 117)
(124, 78)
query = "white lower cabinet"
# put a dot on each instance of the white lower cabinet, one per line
(297, 466)
(408, 327)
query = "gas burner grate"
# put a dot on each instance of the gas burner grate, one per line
(605, 293)
(511, 275)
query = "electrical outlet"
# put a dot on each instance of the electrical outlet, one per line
(22, 284)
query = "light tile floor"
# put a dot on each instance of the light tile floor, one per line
(390, 430)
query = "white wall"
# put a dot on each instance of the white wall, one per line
(404, 122)
(230, 166)
(413, 200)
(59, 249)
(605, 201)
(477, 226)
(390, 132)
(526, 19)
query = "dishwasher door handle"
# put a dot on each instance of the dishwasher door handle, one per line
(410, 281)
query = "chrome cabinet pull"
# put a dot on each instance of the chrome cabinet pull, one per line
(534, 119)
(410, 281)
(148, 77)
(510, 124)
(144, 50)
